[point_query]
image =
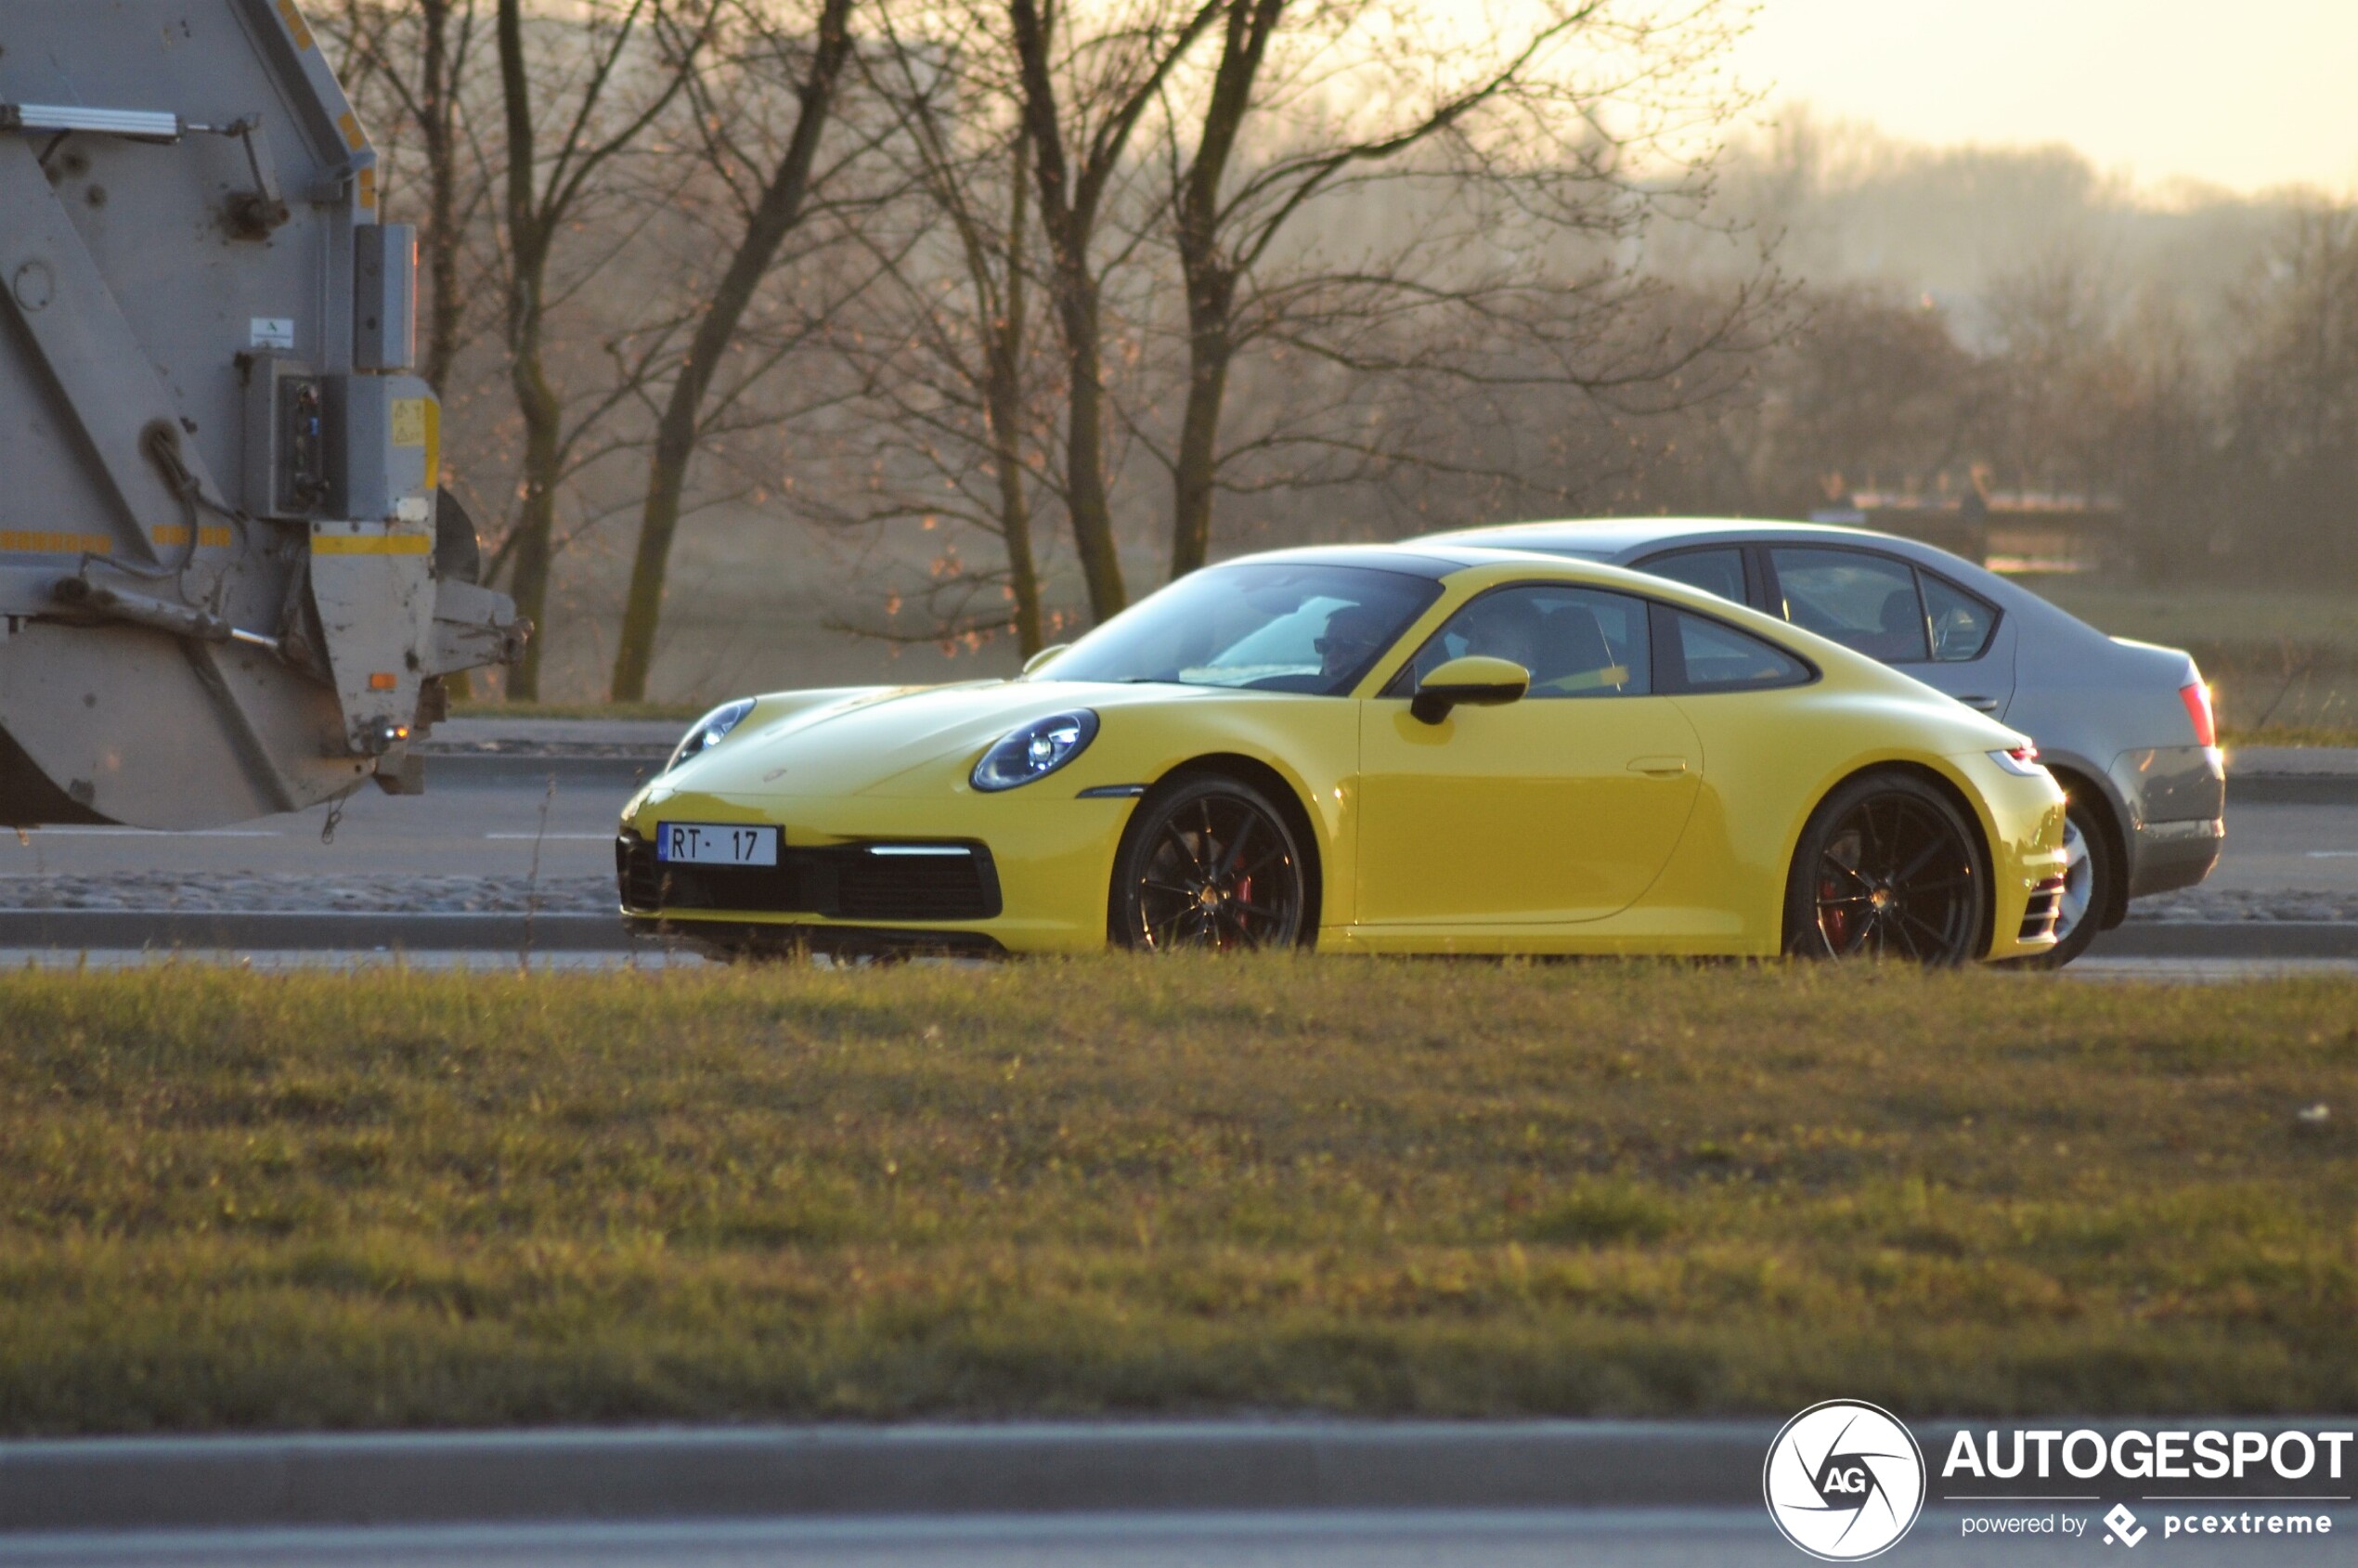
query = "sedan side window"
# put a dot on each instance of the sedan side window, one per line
(1575, 642)
(1860, 600)
(1718, 570)
(1961, 623)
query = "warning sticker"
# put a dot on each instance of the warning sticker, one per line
(408, 422)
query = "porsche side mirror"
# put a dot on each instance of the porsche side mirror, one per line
(1476, 680)
(1043, 656)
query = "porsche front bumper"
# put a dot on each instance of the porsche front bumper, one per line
(1026, 870)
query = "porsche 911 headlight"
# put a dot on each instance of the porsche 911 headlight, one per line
(1036, 750)
(709, 730)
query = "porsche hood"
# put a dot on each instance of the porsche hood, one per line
(909, 740)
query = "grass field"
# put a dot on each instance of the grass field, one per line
(390, 1200)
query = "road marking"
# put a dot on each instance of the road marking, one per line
(555, 837)
(2333, 854)
(151, 833)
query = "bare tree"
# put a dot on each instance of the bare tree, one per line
(772, 196)
(962, 401)
(2061, 379)
(1083, 96)
(420, 55)
(2295, 440)
(1313, 111)
(598, 91)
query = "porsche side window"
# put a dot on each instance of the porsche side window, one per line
(1720, 658)
(1575, 642)
(1860, 600)
(1961, 623)
(1718, 570)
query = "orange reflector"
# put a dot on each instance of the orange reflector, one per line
(383, 681)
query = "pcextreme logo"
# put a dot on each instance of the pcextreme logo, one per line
(1845, 1480)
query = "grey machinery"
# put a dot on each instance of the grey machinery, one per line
(228, 582)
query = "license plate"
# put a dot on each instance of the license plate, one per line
(715, 844)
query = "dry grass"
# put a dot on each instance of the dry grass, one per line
(399, 1199)
(2277, 660)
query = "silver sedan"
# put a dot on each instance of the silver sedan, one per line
(2125, 727)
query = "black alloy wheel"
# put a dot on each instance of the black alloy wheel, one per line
(1887, 868)
(1209, 864)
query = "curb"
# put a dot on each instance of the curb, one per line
(306, 931)
(647, 1475)
(95, 930)
(815, 1472)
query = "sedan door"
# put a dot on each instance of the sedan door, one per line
(1559, 808)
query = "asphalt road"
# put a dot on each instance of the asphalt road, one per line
(480, 831)
(2280, 848)
(1588, 1538)
(471, 831)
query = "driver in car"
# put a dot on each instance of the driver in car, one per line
(1354, 634)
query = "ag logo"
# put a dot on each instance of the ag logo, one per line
(1843, 1481)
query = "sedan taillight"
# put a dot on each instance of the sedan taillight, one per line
(2196, 696)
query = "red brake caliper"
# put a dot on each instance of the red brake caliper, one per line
(1836, 922)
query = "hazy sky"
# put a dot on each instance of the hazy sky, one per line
(2246, 94)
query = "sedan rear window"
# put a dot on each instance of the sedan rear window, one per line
(1961, 622)
(1860, 600)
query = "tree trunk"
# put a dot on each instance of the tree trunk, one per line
(1068, 208)
(444, 243)
(1210, 349)
(1023, 573)
(535, 524)
(658, 524)
(1014, 509)
(1085, 494)
(536, 399)
(1002, 405)
(681, 429)
(1210, 277)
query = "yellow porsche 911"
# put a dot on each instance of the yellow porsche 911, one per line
(1377, 749)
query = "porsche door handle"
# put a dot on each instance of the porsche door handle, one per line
(1980, 705)
(1659, 767)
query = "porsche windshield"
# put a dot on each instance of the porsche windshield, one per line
(1261, 626)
